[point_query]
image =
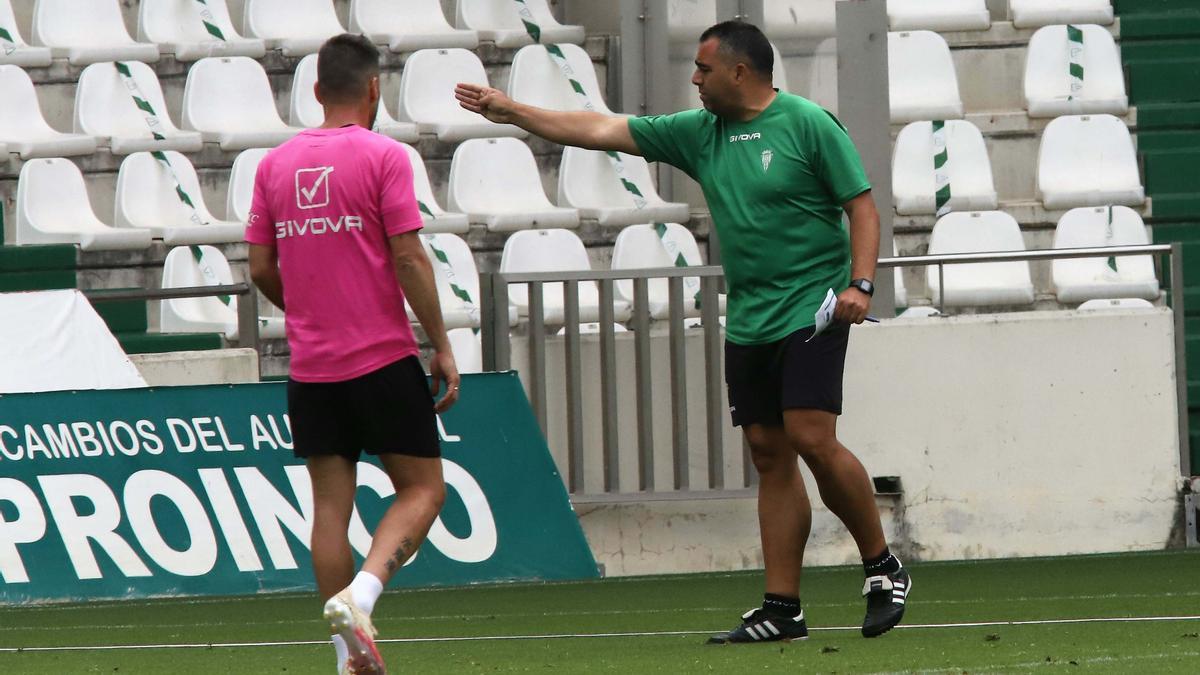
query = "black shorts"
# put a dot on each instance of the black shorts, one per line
(389, 410)
(764, 380)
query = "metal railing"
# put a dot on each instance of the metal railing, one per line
(498, 355)
(247, 306)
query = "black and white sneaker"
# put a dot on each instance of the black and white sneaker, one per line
(759, 626)
(886, 595)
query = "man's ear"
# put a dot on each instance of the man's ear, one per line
(740, 73)
(317, 92)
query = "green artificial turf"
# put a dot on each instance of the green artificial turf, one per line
(1092, 587)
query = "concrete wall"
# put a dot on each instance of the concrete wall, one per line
(218, 366)
(1022, 434)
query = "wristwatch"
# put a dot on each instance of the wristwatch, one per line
(863, 285)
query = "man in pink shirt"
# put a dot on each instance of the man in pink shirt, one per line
(333, 234)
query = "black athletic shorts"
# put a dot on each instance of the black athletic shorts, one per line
(389, 410)
(764, 380)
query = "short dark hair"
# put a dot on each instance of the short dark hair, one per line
(345, 66)
(744, 41)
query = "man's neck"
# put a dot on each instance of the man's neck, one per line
(337, 117)
(755, 104)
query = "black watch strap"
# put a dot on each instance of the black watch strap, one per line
(864, 285)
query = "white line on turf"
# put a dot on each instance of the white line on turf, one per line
(567, 636)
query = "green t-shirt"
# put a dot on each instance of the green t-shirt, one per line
(775, 187)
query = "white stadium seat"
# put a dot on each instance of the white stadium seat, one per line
(900, 291)
(921, 78)
(467, 350)
(437, 219)
(146, 198)
(306, 111)
(536, 79)
(499, 22)
(427, 96)
(913, 183)
(182, 28)
(245, 120)
(298, 27)
(241, 184)
(800, 19)
(421, 25)
(1082, 279)
(1048, 79)
(53, 208)
(87, 32)
(554, 250)
(187, 266)
(588, 182)
(456, 313)
(687, 19)
(495, 181)
(979, 284)
(104, 108)
(1088, 160)
(639, 247)
(939, 15)
(23, 128)
(15, 51)
(1034, 13)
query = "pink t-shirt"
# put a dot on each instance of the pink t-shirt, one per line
(328, 200)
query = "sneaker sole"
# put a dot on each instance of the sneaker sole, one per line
(365, 658)
(760, 642)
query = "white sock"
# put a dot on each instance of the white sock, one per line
(343, 652)
(365, 590)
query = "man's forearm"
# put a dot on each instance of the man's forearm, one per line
(415, 275)
(576, 128)
(864, 242)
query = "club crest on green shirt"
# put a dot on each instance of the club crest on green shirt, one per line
(767, 155)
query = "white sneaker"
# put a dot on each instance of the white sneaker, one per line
(355, 627)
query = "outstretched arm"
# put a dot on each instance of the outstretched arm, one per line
(591, 130)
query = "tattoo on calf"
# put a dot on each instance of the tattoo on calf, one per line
(404, 552)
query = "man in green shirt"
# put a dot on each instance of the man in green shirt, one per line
(777, 171)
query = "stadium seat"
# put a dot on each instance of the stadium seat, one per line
(146, 198)
(588, 182)
(900, 290)
(421, 25)
(536, 79)
(554, 250)
(1048, 79)
(240, 196)
(306, 111)
(938, 15)
(248, 120)
(1034, 13)
(187, 266)
(436, 218)
(53, 208)
(184, 29)
(105, 108)
(921, 78)
(639, 247)
(1088, 160)
(14, 50)
(799, 19)
(427, 96)
(87, 32)
(979, 284)
(1081, 279)
(913, 182)
(462, 272)
(467, 350)
(1115, 303)
(496, 182)
(22, 127)
(499, 22)
(297, 27)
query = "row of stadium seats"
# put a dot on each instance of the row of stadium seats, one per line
(93, 31)
(1010, 284)
(923, 83)
(106, 113)
(1083, 160)
(493, 182)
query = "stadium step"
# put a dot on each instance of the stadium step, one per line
(1167, 115)
(36, 268)
(123, 316)
(1171, 172)
(1164, 79)
(148, 343)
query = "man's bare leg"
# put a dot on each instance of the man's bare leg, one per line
(420, 492)
(784, 510)
(333, 485)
